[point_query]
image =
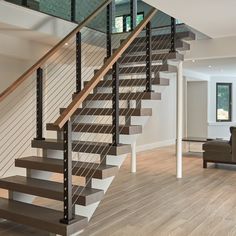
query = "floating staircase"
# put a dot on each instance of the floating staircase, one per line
(86, 119)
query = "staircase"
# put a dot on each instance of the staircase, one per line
(93, 133)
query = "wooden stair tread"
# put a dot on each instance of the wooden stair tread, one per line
(85, 169)
(161, 57)
(84, 147)
(134, 82)
(126, 96)
(185, 35)
(101, 128)
(49, 189)
(164, 44)
(141, 69)
(39, 217)
(108, 111)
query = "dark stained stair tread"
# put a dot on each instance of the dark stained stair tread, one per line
(108, 111)
(126, 96)
(134, 82)
(85, 169)
(141, 69)
(84, 147)
(185, 35)
(126, 59)
(101, 128)
(39, 217)
(163, 44)
(49, 189)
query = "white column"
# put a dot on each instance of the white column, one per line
(179, 157)
(133, 157)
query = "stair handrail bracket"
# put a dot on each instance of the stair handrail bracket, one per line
(81, 96)
(52, 52)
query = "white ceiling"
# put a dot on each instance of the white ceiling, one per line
(215, 18)
(213, 67)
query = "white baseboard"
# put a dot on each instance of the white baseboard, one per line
(159, 144)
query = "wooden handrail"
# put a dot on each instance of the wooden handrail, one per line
(50, 53)
(80, 97)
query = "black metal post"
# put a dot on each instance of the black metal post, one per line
(39, 105)
(148, 57)
(24, 3)
(78, 62)
(109, 30)
(133, 14)
(73, 10)
(115, 104)
(173, 35)
(67, 167)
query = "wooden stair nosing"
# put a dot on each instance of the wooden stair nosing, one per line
(139, 69)
(100, 128)
(84, 169)
(162, 45)
(39, 217)
(129, 59)
(84, 147)
(125, 96)
(134, 82)
(109, 111)
(185, 35)
(49, 189)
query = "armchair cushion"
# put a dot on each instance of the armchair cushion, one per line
(217, 146)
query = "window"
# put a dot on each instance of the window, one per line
(223, 102)
(123, 23)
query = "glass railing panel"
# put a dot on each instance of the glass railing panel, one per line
(62, 9)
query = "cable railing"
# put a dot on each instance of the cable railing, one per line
(106, 120)
(68, 77)
(83, 169)
(18, 102)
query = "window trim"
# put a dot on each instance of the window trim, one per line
(124, 20)
(230, 102)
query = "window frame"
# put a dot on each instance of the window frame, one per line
(125, 16)
(230, 101)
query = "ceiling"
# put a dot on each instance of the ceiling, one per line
(215, 18)
(213, 67)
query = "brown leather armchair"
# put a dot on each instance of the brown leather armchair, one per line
(220, 151)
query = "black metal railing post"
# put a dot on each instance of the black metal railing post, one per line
(78, 62)
(109, 30)
(24, 3)
(148, 57)
(68, 216)
(133, 14)
(115, 104)
(39, 105)
(73, 10)
(173, 35)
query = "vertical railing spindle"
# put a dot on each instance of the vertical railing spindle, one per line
(67, 171)
(115, 104)
(78, 62)
(24, 3)
(148, 57)
(133, 14)
(173, 35)
(73, 10)
(39, 105)
(109, 30)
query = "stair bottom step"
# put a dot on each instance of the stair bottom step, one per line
(39, 217)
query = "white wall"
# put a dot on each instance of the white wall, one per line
(197, 103)
(160, 130)
(220, 129)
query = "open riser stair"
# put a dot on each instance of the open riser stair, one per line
(83, 117)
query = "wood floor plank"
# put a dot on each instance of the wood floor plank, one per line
(152, 202)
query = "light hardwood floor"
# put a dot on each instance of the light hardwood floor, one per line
(153, 202)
